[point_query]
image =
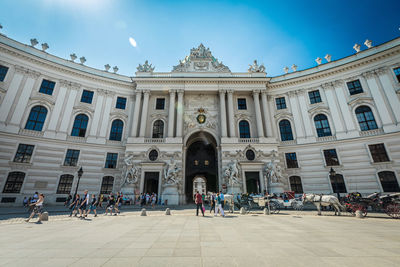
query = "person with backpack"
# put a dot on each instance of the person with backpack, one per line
(219, 206)
(75, 206)
(198, 199)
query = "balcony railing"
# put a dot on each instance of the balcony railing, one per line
(154, 140)
(326, 138)
(31, 132)
(371, 132)
(249, 140)
(289, 142)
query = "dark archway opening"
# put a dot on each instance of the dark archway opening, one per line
(151, 182)
(201, 160)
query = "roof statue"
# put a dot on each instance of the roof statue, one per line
(256, 68)
(146, 67)
(200, 60)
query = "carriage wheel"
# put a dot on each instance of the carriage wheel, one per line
(273, 208)
(356, 207)
(297, 206)
(393, 210)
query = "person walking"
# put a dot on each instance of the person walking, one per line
(219, 206)
(100, 201)
(84, 205)
(110, 205)
(153, 200)
(212, 200)
(75, 206)
(118, 204)
(199, 203)
(68, 200)
(37, 208)
(222, 199)
(93, 205)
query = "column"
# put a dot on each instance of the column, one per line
(104, 122)
(135, 120)
(298, 121)
(179, 116)
(389, 91)
(10, 94)
(302, 103)
(222, 110)
(267, 115)
(334, 108)
(143, 121)
(171, 113)
(344, 107)
(97, 113)
(55, 115)
(22, 101)
(270, 107)
(378, 97)
(232, 132)
(260, 130)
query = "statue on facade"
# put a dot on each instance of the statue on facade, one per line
(130, 172)
(146, 67)
(171, 173)
(256, 68)
(272, 172)
(231, 173)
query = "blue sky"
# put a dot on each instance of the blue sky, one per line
(276, 33)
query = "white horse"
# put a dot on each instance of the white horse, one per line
(323, 200)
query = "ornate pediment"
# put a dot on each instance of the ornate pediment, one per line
(200, 60)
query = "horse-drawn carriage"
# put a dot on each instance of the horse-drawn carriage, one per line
(273, 203)
(389, 203)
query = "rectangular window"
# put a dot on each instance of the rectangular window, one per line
(160, 103)
(354, 87)
(314, 97)
(378, 153)
(47, 87)
(71, 158)
(396, 72)
(111, 160)
(107, 185)
(65, 184)
(87, 97)
(121, 103)
(331, 158)
(280, 103)
(291, 160)
(14, 182)
(242, 103)
(24, 153)
(3, 73)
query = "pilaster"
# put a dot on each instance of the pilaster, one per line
(145, 108)
(260, 130)
(222, 110)
(232, 132)
(171, 113)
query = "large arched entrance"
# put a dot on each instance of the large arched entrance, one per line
(201, 161)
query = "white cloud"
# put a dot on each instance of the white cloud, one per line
(132, 41)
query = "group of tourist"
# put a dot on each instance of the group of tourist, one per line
(146, 199)
(86, 205)
(217, 201)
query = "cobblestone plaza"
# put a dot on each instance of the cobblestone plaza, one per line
(182, 239)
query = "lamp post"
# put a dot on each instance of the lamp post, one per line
(80, 172)
(332, 173)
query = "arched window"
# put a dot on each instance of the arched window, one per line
(322, 125)
(117, 127)
(107, 185)
(338, 185)
(366, 118)
(244, 129)
(14, 182)
(65, 184)
(388, 181)
(36, 118)
(80, 125)
(285, 130)
(158, 129)
(295, 184)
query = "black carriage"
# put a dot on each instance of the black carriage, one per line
(389, 203)
(250, 203)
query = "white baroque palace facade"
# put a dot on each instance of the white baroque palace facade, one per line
(198, 127)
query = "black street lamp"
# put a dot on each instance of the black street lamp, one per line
(332, 173)
(80, 172)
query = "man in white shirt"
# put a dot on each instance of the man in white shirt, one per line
(84, 205)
